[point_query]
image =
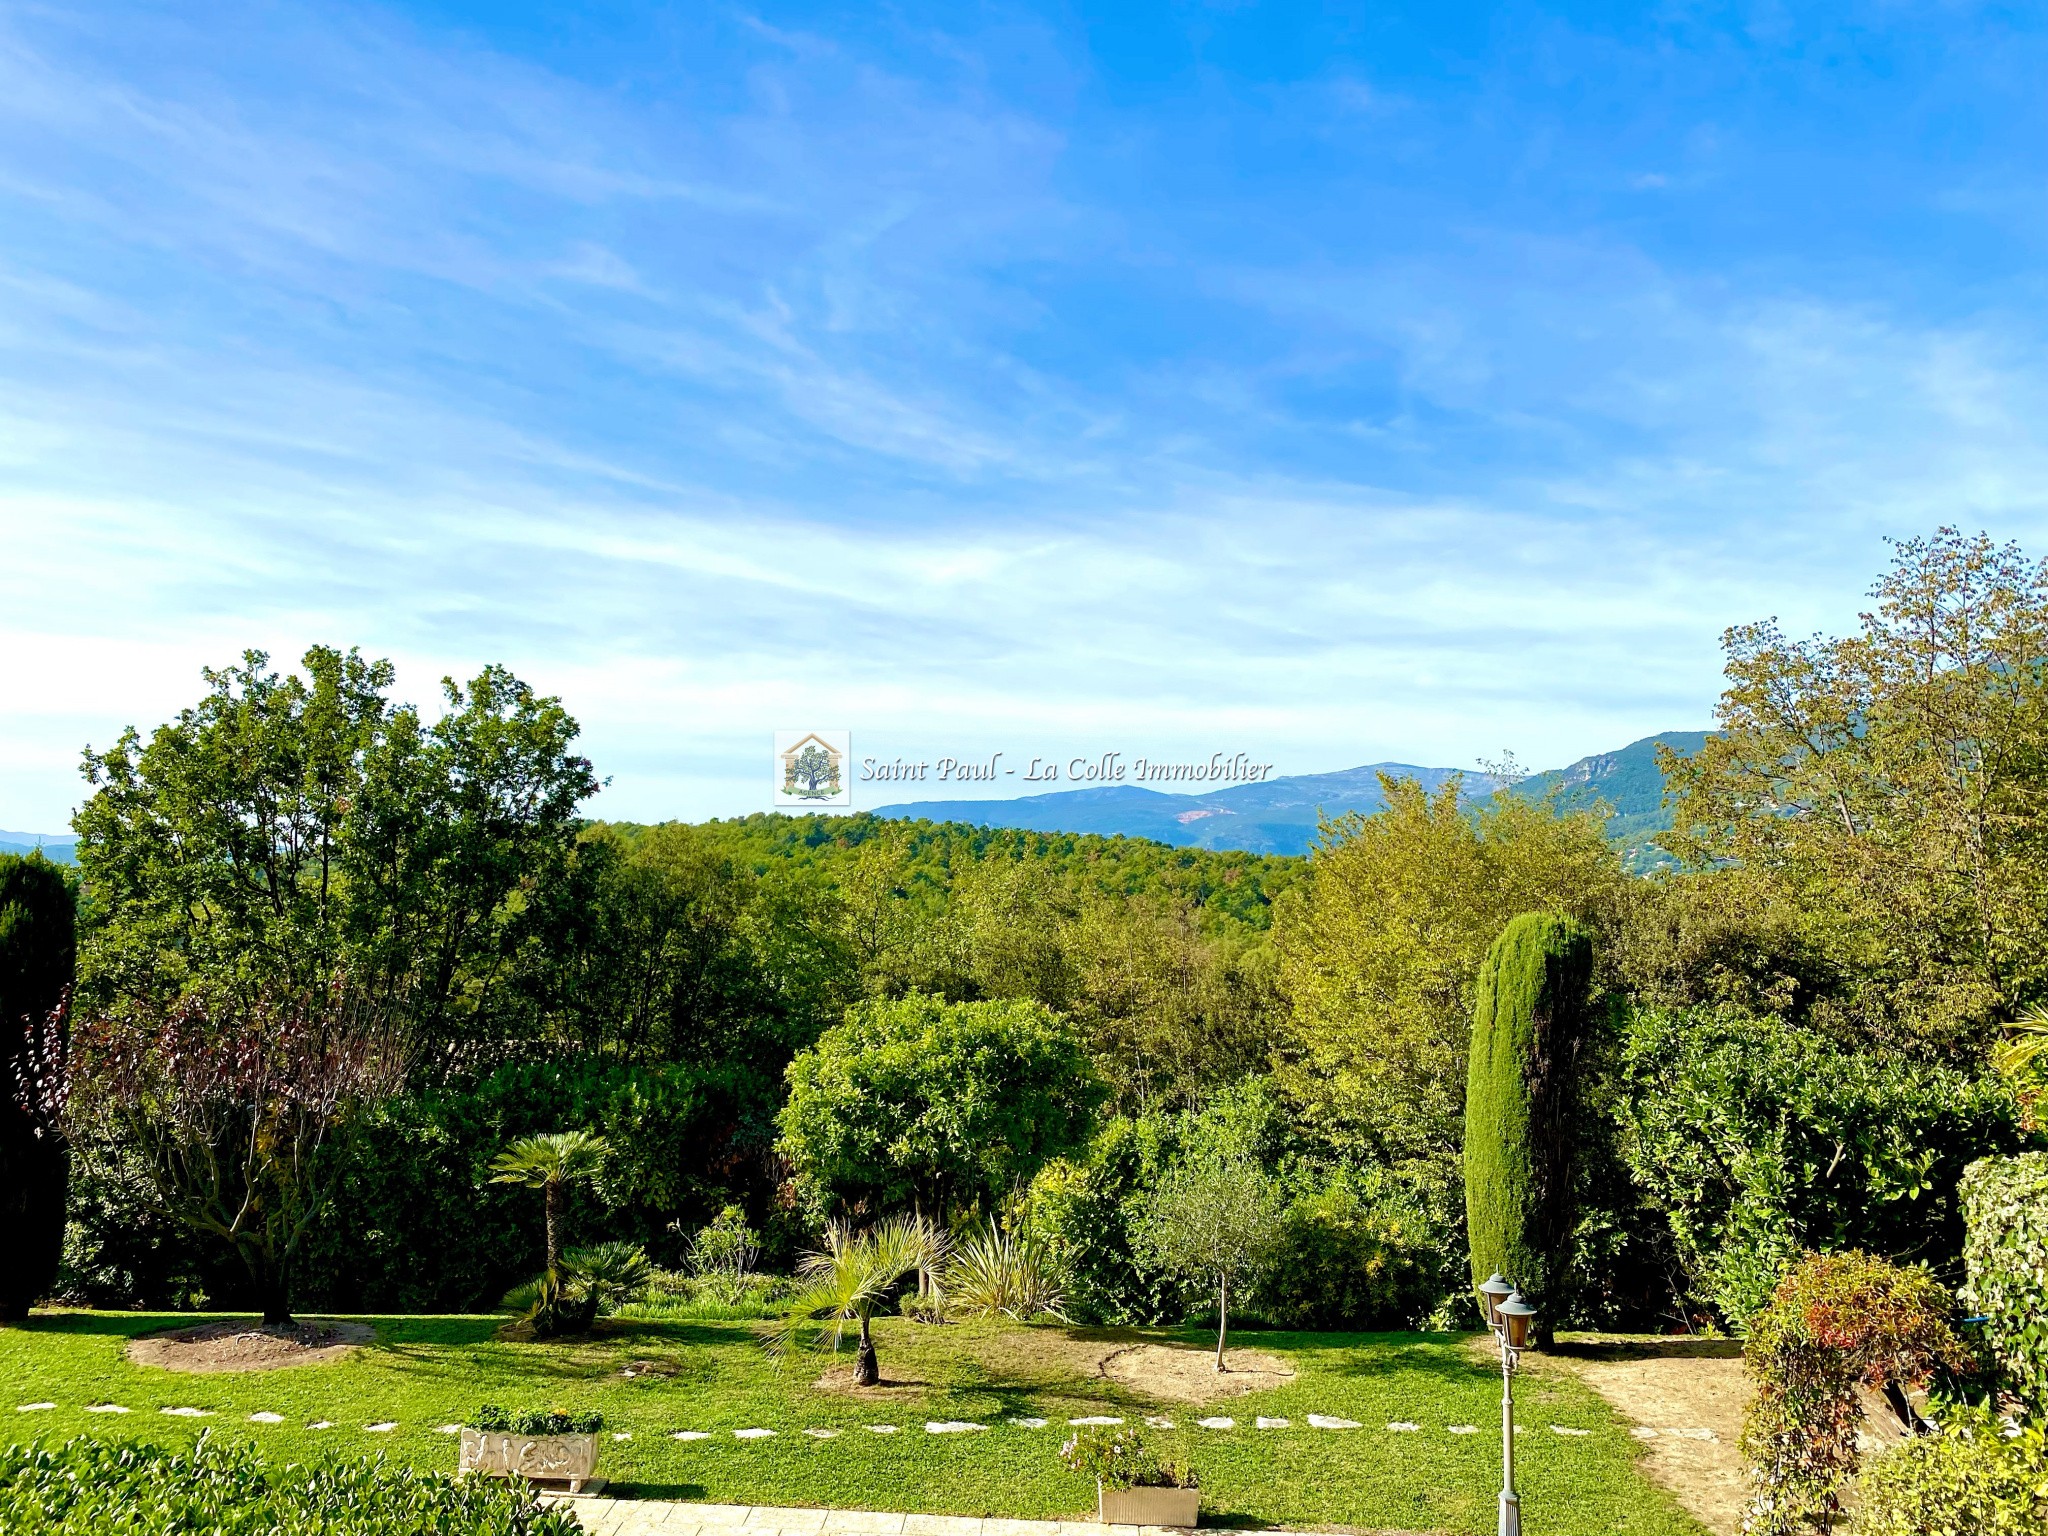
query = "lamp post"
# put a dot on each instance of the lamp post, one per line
(1508, 1316)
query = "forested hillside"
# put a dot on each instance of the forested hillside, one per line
(1794, 1038)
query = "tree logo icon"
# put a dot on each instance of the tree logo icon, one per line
(811, 768)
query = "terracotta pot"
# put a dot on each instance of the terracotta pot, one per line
(539, 1458)
(1148, 1506)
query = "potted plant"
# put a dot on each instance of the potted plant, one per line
(540, 1447)
(1132, 1486)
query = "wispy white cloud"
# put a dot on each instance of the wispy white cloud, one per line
(865, 382)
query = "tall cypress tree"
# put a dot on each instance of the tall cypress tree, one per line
(38, 955)
(1532, 1018)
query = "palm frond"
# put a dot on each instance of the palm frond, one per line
(556, 1158)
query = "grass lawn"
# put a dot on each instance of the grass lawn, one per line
(424, 1372)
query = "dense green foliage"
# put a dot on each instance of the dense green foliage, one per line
(1836, 1321)
(38, 953)
(947, 1106)
(2005, 1208)
(1529, 1027)
(85, 1487)
(1972, 1479)
(1762, 1140)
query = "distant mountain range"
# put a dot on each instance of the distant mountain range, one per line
(58, 848)
(1281, 815)
(1278, 816)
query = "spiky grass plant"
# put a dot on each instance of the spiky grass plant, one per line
(1001, 1274)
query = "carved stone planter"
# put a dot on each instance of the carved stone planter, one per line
(538, 1458)
(1148, 1506)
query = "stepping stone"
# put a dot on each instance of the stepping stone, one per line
(1404, 1427)
(1217, 1423)
(1265, 1423)
(1157, 1422)
(188, 1413)
(106, 1408)
(1559, 1429)
(1643, 1433)
(881, 1429)
(1693, 1434)
(266, 1418)
(449, 1429)
(624, 1434)
(821, 1434)
(753, 1434)
(691, 1434)
(1096, 1418)
(380, 1429)
(1464, 1429)
(323, 1424)
(955, 1426)
(1324, 1421)
(1029, 1423)
(34, 1407)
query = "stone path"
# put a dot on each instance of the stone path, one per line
(602, 1516)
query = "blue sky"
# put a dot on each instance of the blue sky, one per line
(1335, 383)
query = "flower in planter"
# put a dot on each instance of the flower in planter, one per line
(1121, 1459)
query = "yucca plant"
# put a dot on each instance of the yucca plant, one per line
(997, 1273)
(854, 1274)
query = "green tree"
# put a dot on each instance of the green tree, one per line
(1215, 1217)
(550, 1164)
(949, 1105)
(1529, 1028)
(1890, 788)
(38, 948)
(1381, 953)
(286, 827)
(228, 1106)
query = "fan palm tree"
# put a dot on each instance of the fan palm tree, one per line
(854, 1275)
(551, 1164)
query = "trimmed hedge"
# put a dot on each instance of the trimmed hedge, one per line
(1531, 1019)
(2005, 1209)
(85, 1487)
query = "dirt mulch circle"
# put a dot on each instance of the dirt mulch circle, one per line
(1687, 1399)
(243, 1346)
(1190, 1375)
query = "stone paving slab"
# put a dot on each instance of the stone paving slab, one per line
(603, 1516)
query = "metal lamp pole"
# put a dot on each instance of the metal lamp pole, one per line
(1508, 1316)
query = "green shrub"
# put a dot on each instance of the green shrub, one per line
(1086, 1212)
(1346, 1261)
(38, 954)
(86, 1487)
(418, 1226)
(1975, 1478)
(1530, 1022)
(1837, 1320)
(2005, 1207)
(1762, 1140)
(535, 1422)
